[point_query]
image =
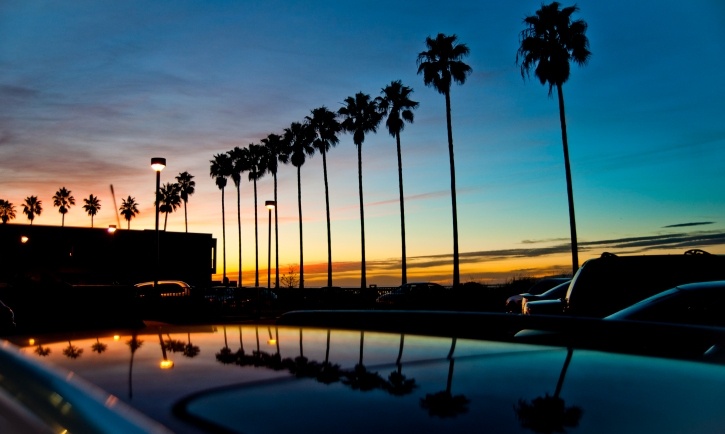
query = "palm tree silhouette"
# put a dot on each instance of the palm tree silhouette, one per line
(186, 183)
(98, 347)
(361, 115)
(169, 199)
(133, 344)
(92, 206)
(298, 139)
(220, 170)
(396, 103)
(72, 351)
(32, 207)
(129, 209)
(257, 162)
(550, 40)
(239, 161)
(325, 128)
(42, 351)
(225, 355)
(63, 200)
(190, 350)
(440, 65)
(7, 211)
(274, 147)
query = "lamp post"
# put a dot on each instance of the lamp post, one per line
(157, 164)
(270, 204)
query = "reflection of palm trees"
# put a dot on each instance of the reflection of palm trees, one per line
(548, 414)
(42, 351)
(360, 378)
(174, 345)
(98, 347)
(443, 403)
(71, 351)
(397, 383)
(190, 350)
(134, 344)
(225, 355)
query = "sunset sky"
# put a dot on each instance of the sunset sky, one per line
(90, 91)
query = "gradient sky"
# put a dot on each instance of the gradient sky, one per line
(91, 90)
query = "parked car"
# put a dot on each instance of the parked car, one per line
(541, 290)
(416, 295)
(163, 288)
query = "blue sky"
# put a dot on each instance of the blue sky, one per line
(91, 90)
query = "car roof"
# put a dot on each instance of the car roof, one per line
(164, 282)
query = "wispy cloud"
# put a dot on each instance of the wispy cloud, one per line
(682, 225)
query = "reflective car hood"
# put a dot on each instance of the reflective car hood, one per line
(262, 378)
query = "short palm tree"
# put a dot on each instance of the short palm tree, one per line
(239, 160)
(361, 115)
(221, 169)
(169, 199)
(92, 206)
(548, 43)
(298, 140)
(32, 208)
(325, 127)
(274, 147)
(129, 209)
(186, 183)
(63, 200)
(7, 211)
(396, 103)
(257, 162)
(440, 65)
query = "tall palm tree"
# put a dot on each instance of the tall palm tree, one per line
(325, 127)
(129, 209)
(550, 40)
(441, 64)
(221, 169)
(186, 183)
(32, 207)
(257, 163)
(92, 206)
(240, 164)
(276, 152)
(361, 115)
(7, 211)
(298, 141)
(169, 199)
(396, 103)
(63, 200)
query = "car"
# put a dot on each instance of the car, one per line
(414, 295)
(541, 290)
(163, 288)
(555, 294)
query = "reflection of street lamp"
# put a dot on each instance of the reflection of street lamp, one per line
(157, 164)
(270, 204)
(165, 362)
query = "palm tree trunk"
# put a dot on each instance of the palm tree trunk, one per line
(276, 236)
(569, 188)
(327, 209)
(186, 222)
(166, 218)
(224, 245)
(256, 239)
(363, 282)
(239, 235)
(456, 275)
(299, 211)
(404, 270)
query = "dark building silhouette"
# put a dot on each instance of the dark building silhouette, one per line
(96, 256)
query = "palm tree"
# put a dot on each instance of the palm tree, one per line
(239, 160)
(273, 146)
(32, 207)
(169, 199)
(396, 103)
(361, 115)
(92, 206)
(298, 141)
(325, 127)
(257, 163)
(7, 211)
(129, 209)
(186, 183)
(550, 40)
(63, 200)
(220, 170)
(440, 65)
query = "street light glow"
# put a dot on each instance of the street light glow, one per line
(270, 204)
(158, 164)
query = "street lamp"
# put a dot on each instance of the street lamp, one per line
(157, 164)
(270, 204)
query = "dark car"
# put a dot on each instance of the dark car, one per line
(417, 295)
(539, 291)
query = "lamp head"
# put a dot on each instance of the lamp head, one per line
(270, 204)
(158, 163)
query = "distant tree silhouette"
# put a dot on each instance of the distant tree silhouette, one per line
(129, 209)
(169, 199)
(257, 162)
(7, 211)
(325, 128)
(397, 105)
(98, 347)
(92, 206)
(63, 200)
(186, 183)
(72, 351)
(361, 115)
(298, 139)
(240, 164)
(441, 64)
(221, 169)
(32, 208)
(274, 147)
(550, 40)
